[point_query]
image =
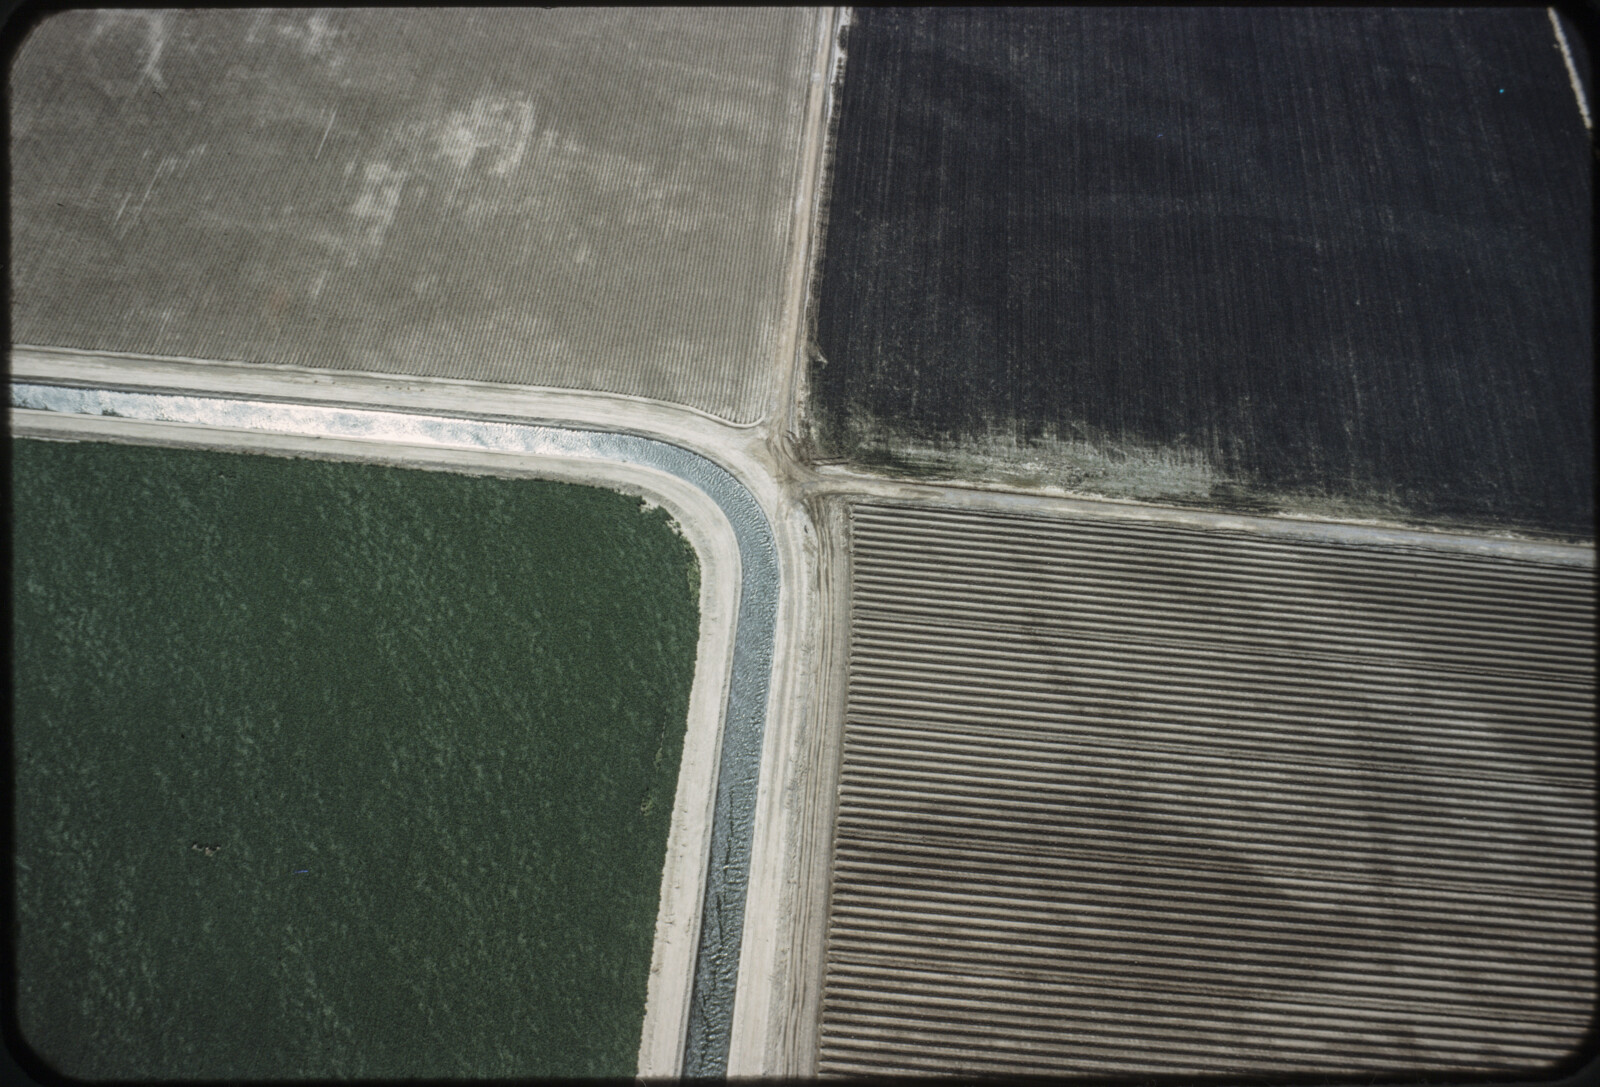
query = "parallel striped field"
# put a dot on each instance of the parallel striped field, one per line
(1134, 798)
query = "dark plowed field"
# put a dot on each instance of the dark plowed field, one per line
(1332, 260)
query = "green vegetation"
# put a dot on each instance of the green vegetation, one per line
(331, 769)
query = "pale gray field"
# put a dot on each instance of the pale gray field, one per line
(585, 199)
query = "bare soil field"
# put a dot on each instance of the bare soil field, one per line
(1311, 260)
(1154, 799)
(593, 199)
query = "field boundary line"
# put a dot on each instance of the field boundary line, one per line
(868, 489)
(1572, 70)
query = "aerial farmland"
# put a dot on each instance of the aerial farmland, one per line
(795, 542)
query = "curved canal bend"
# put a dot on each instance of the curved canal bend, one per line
(716, 975)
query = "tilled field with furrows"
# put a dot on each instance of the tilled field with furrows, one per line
(1137, 798)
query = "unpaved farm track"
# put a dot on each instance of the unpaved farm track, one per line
(1137, 798)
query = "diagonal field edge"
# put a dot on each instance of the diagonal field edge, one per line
(744, 717)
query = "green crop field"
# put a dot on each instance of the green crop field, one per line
(330, 769)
